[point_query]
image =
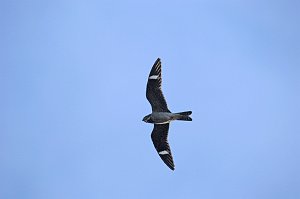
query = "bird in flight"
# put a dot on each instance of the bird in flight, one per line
(161, 116)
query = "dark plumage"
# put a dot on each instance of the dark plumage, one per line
(161, 116)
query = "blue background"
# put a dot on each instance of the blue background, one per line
(73, 78)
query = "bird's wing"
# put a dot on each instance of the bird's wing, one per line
(154, 93)
(160, 140)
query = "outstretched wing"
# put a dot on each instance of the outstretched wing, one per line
(160, 140)
(154, 93)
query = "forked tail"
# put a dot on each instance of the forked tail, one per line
(185, 116)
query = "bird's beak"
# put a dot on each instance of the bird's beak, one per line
(144, 119)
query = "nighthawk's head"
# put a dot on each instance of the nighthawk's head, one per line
(147, 118)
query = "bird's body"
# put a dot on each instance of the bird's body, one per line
(161, 116)
(165, 117)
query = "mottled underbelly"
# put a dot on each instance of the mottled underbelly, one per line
(162, 117)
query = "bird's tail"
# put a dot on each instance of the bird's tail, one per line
(184, 116)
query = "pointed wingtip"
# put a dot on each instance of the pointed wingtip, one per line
(157, 60)
(171, 166)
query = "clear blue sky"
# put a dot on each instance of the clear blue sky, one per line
(72, 81)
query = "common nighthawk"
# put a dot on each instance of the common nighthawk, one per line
(161, 116)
